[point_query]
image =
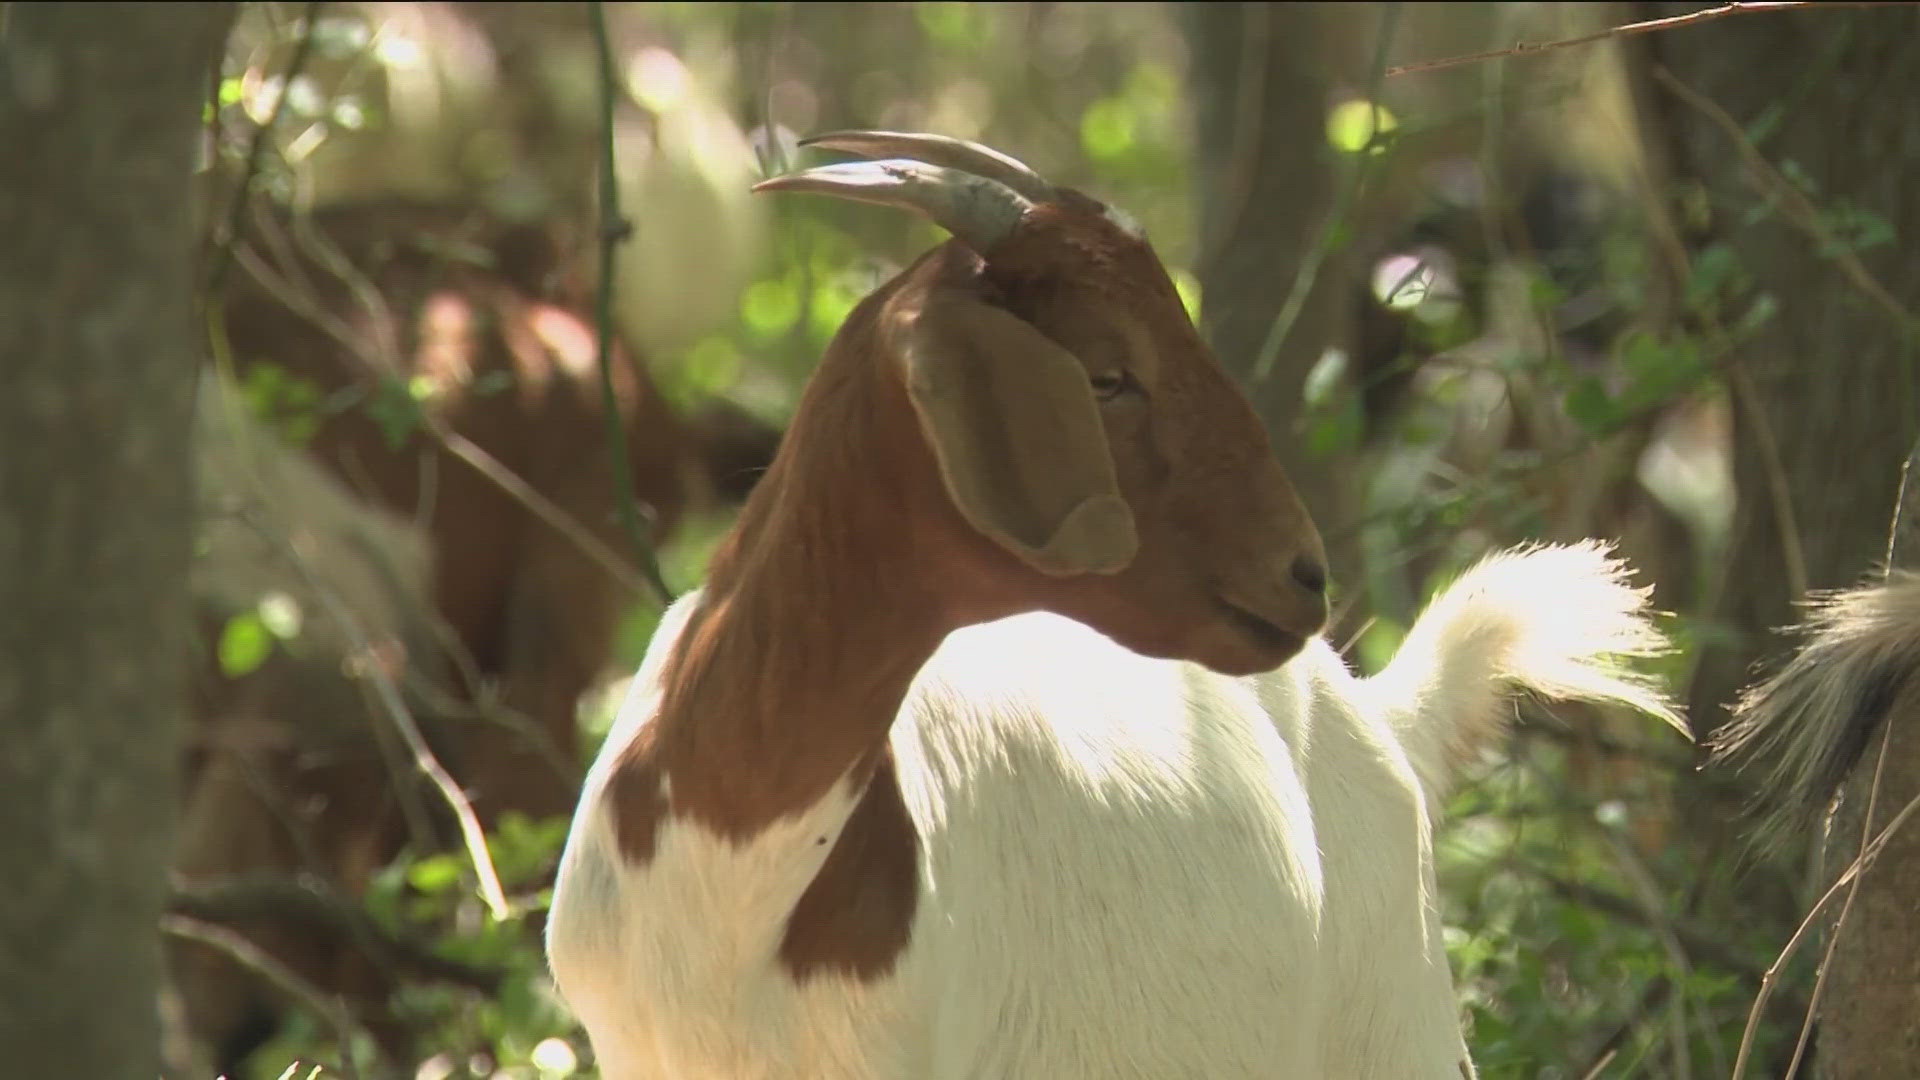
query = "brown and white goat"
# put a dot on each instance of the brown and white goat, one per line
(950, 770)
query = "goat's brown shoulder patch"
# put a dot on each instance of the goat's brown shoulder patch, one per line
(638, 803)
(857, 915)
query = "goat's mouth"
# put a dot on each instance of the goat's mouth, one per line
(1265, 634)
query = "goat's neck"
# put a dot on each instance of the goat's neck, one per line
(817, 616)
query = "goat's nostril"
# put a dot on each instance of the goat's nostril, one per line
(1310, 574)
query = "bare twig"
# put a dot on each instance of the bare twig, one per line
(1898, 553)
(542, 507)
(387, 693)
(315, 907)
(378, 362)
(424, 758)
(1309, 271)
(1675, 22)
(1600, 1066)
(614, 229)
(1785, 522)
(250, 169)
(1649, 914)
(1859, 866)
(236, 947)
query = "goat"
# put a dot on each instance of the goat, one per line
(469, 308)
(961, 763)
(283, 772)
(287, 776)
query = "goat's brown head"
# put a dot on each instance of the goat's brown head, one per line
(1097, 460)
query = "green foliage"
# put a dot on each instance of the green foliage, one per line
(395, 406)
(245, 644)
(247, 639)
(289, 405)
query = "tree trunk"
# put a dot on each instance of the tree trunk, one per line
(1824, 403)
(1830, 405)
(99, 106)
(1267, 183)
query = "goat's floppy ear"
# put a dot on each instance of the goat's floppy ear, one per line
(1017, 434)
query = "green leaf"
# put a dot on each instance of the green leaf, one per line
(395, 409)
(769, 307)
(1354, 126)
(435, 873)
(1590, 406)
(245, 644)
(954, 25)
(1108, 129)
(1715, 271)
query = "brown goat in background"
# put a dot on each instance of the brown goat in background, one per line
(425, 339)
(477, 322)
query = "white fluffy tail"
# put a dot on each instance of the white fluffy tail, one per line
(1810, 722)
(1557, 621)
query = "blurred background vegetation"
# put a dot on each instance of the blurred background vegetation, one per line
(1644, 288)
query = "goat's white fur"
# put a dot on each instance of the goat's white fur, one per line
(1128, 867)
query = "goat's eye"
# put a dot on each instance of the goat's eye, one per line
(1108, 385)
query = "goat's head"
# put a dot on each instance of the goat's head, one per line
(1094, 457)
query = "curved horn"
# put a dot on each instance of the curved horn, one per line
(939, 150)
(978, 211)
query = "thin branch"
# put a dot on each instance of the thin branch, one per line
(542, 507)
(424, 759)
(380, 362)
(1309, 271)
(1900, 529)
(1785, 521)
(387, 693)
(1649, 916)
(614, 229)
(238, 948)
(1800, 209)
(316, 907)
(1771, 978)
(250, 170)
(1535, 48)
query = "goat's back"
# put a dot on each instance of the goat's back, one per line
(1118, 870)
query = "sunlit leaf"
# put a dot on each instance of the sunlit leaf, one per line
(435, 873)
(245, 643)
(1353, 126)
(1107, 129)
(954, 25)
(769, 307)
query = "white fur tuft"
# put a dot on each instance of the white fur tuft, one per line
(1556, 620)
